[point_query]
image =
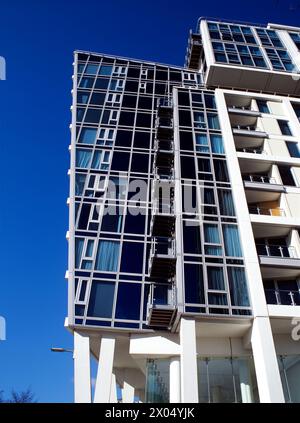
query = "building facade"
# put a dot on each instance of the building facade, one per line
(184, 247)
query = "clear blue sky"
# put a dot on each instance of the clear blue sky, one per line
(37, 39)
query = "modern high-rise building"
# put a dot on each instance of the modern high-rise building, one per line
(184, 247)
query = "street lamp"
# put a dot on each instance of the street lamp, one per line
(61, 350)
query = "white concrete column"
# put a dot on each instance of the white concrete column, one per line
(105, 366)
(82, 370)
(265, 360)
(127, 393)
(174, 388)
(188, 361)
(113, 389)
(245, 381)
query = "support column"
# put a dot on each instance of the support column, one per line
(105, 366)
(113, 389)
(245, 381)
(127, 393)
(188, 361)
(265, 360)
(82, 370)
(174, 388)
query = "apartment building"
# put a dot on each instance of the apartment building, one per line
(184, 248)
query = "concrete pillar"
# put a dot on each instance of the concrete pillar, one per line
(105, 366)
(188, 361)
(265, 361)
(174, 388)
(113, 389)
(245, 381)
(127, 393)
(82, 370)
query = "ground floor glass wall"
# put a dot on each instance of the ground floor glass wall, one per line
(289, 367)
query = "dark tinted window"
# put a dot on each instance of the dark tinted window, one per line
(120, 161)
(193, 278)
(132, 257)
(128, 301)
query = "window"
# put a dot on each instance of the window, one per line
(128, 301)
(199, 120)
(82, 97)
(120, 161)
(213, 121)
(107, 256)
(112, 222)
(191, 237)
(105, 70)
(212, 239)
(221, 171)
(79, 183)
(132, 257)
(201, 143)
(238, 286)
(232, 241)
(286, 175)
(215, 278)
(263, 106)
(293, 148)
(106, 137)
(193, 283)
(217, 144)
(92, 115)
(83, 158)
(87, 136)
(101, 160)
(97, 99)
(284, 127)
(101, 299)
(226, 203)
(187, 167)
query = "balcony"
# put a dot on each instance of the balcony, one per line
(248, 136)
(165, 107)
(164, 149)
(278, 261)
(282, 297)
(265, 211)
(162, 261)
(161, 306)
(262, 182)
(251, 150)
(194, 51)
(243, 116)
(163, 218)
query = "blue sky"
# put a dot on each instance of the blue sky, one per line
(37, 39)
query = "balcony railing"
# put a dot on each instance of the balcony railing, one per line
(164, 122)
(266, 211)
(163, 247)
(246, 128)
(251, 150)
(164, 102)
(163, 207)
(162, 305)
(247, 108)
(276, 251)
(260, 179)
(282, 297)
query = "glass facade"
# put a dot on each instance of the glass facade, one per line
(116, 114)
(251, 46)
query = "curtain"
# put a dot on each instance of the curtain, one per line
(238, 286)
(221, 170)
(107, 256)
(232, 241)
(79, 183)
(215, 278)
(89, 248)
(83, 158)
(96, 159)
(213, 121)
(202, 143)
(211, 234)
(87, 135)
(217, 144)
(226, 203)
(78, 251)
